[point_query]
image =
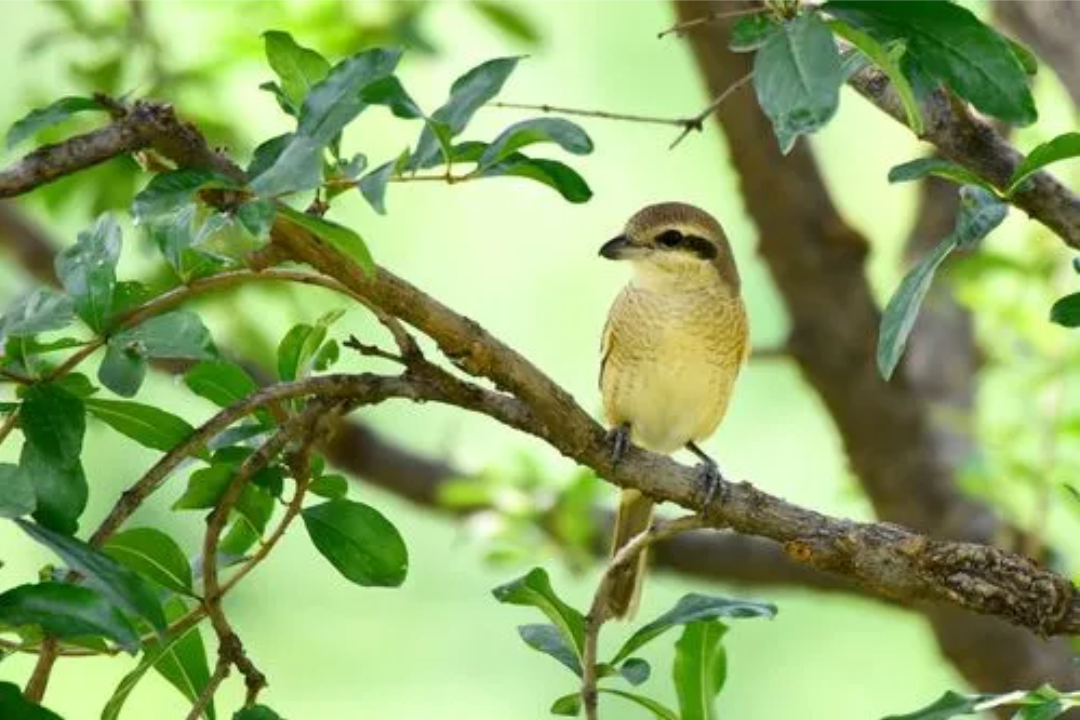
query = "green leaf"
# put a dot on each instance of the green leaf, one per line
(122, 370)
(87, 270)
(154, 555)
(221, 382)
(223, 237)
(60, 488)
(797, 77)
(750, 33)
(328, 354)
(512, 22)
(298, 67)
(567, 705)
(267, 153)
(169, 192)
(256, 712)
(694, 608)
(980, 212)
(699, 669)
(1066, 311)
(67, 611)
(566, 134)
(552, 173)
(14, 705)
(340, 237)
(1024, 56)
(181, 659)
(363, 545)
(330, 105)
(174, 234)
(950, 44)
(297, 351)
(205, 487)
(16, 492)
(54, 420)
(330, 486)
(570, 705)
(373, 185)
(147, 425)
(257, 217)
(468, 94)
(947, 706)
(1063, 147)
(549, 640)
(37, 120)
(534, 589)
(635, 671)
(917, 169)
(37, 311)
(177, 335)
(390, 93)
(888, 61)
(121, 586)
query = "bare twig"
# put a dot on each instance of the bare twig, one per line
(698, 120)
(221, 672)
(600, 114)
(681, 27)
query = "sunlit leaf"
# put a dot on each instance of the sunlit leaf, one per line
(37, 120)
(534, 589)
(87, 270)
(298, 67)
(154, 555)
(37, 311)
(148, 425)
(700, 669)
(1063, 147)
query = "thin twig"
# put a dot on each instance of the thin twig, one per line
(681, 28)
(698, 120)
(221, 672)
(601, 114)
(9, 424)
(597, 616)
(354, 343)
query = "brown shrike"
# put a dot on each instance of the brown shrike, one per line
(675, 340)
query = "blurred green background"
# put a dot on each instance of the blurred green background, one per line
(522, 262)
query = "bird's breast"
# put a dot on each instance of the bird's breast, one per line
(671, 361)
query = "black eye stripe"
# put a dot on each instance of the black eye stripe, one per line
(700, 247)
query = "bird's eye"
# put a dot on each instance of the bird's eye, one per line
(670, 238)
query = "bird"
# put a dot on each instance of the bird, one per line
(674, 342)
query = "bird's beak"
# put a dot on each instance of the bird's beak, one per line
(616, 249)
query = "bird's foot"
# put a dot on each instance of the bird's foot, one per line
(710, 478)
(619, 437)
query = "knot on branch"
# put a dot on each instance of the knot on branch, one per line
(992, 581)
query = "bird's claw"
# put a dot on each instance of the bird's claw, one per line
(712, 482)
(619, 437)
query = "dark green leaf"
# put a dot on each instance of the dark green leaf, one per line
(373, 185)
(181, 659)
(980, 212)
(917, 169)
(391, 93)
(60, 489)
(330, 486)
(121, 586)
(87, 270)
(37, 120)
(330, 105)
(340, 237)
(26, 346)
(567, 705)
(1063, 147)
(152, 554)
(750, 33)
(512, 22)
(148, 425)
(328, 354)
(468, 94)
(949, 43)
(54, 420)
(1066, 311)
(797, 77)
(363, 545)
(169, 192)
(887, 59)
(222, 383)
(552, 173)
(298, 67)
(635, 671)
(67, 611)
(179, 334)
(16, 492)
(700, 669)
(35, 312)
(267, 153)
(550, 641)
(256, 712)
(566, 134)
(76, 384)
(1024, 56)
(257, 217)
(13, 705)
(947, 706)
(694, 608)
(123, 369)
(130, 294)
(534, 589)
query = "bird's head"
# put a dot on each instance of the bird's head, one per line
(674, 242)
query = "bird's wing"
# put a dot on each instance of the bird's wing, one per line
(605, 350)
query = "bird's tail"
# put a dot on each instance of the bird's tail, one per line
(634, 517)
